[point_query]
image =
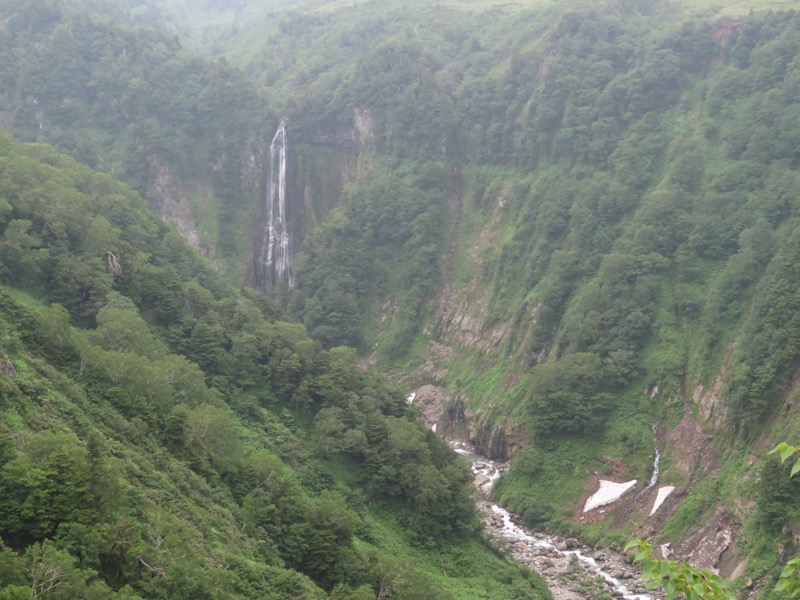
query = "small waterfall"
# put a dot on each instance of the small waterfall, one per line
(656, 463)
(654, 475)
(664, 491)
(275, 265)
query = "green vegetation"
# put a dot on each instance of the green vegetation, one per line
(679, 580)
(384, 237)
(686, 581)
(789, 582)
(183, 131)
(623, 220)
(590, 208)
(163, 435)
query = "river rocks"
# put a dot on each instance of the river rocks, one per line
(556, 560)
(544, 563)
(572, 570)
(619, 574)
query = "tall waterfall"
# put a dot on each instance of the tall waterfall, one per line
(275, 265)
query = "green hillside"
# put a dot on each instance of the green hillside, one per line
(186, 132)
(163, 435)
(578, 222)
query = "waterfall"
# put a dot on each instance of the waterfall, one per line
(656, 462)
(275, 265)
(654, 474)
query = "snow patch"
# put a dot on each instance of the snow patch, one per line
(608, 492)
(663, 494)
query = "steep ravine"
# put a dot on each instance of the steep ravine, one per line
(573, 571)
(648, 506)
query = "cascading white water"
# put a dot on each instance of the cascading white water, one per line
(663, 492)
(276, 245)
(489, 473)
(514, 532)
(656, 463)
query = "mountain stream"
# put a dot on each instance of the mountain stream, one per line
(572, 570)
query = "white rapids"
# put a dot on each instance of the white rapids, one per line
(486, 473)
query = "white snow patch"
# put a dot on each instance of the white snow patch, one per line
(608, 492)
(410, 398)
(663, 494)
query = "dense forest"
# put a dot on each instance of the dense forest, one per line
(579, 222)
(611, 200)
(167, 436)
(184, 131)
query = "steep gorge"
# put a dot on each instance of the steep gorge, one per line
(615, 244)
(560, 225)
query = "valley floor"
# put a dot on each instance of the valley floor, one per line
(555, 559)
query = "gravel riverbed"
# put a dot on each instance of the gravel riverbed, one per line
(572, 570)
(557, 561)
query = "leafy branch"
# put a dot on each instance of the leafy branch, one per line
(786, 451)
(677, 579)
(789, 580)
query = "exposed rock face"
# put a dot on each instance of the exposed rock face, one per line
(7, 368)
(706, 547)
(454, 422)
(709, 400)
(173, 206)
(712, 546)
(431, 399)
(490, 439)
(435, 364)
(691, 449)
(460, 329)
(359, 134)
(364, 126)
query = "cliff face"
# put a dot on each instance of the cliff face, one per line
(172, 202)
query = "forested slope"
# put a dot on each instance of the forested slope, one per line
(186, 132)
(163, 435)
(578, 222)
(603, 253)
